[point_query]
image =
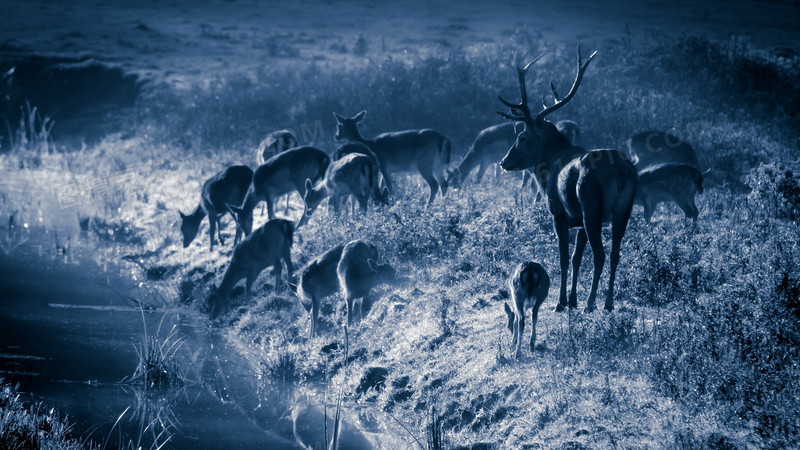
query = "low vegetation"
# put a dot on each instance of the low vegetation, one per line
(24, 425)
(702, 349)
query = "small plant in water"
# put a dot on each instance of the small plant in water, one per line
(157, 365)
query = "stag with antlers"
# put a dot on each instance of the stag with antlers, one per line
(584, 189)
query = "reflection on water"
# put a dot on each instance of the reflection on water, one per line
(70, 335)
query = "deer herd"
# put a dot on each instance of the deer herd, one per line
(584, 189)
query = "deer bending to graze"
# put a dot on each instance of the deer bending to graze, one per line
(317, 280)
(669, 170)
(584, 188)
(380, 195)
(426, 151)
(266, 246)
(492, 144)
(350, 268)
(679, 183)
(352, 175)
(282, 174)
(274, 143)
(228, 186)
(358, 273)
(529, 286)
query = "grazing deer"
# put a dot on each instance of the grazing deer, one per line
(492, 144)
(669, 182)
(228, 186)
(380, 195)
(274, 143)
(359, 272)
(426, 151)
(529, 286)
(352, 175)
(282, 174)
(669, 170)
(351, 268)
(650, 148)
(318, 279)
(266, 246)
(584, 188)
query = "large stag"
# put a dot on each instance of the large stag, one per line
(584, 188)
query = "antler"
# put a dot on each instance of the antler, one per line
(520, 112)
(559, 103)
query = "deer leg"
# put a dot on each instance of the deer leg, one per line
(219, 230)
(248, 283)
(534, 320)
(362, 198)
(212, 228)
(270, 208)
(481, 171)
(593, 224)
(618, 227)
(689, 208)
(525, 177)
(386, 179)
(238, 236)
(349, 301)
(516, 342)
(314, 314)
(562, 232)
(649, 209)
(577, 257)
(440, 178)
(429, 178)
(278, 268)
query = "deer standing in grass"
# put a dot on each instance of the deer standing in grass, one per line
(267, 246)
(584, 188)
(284, 173)
(228, 186)
(274, 143)
(426, 151)
(352, 175)
(529, 286)
(669, 170)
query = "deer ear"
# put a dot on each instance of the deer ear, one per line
(360, 116)
(309, 185)
(338, 117)
(183, 216)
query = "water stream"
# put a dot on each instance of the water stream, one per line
(68, 336)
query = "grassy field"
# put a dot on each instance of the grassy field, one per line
(701, 351)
